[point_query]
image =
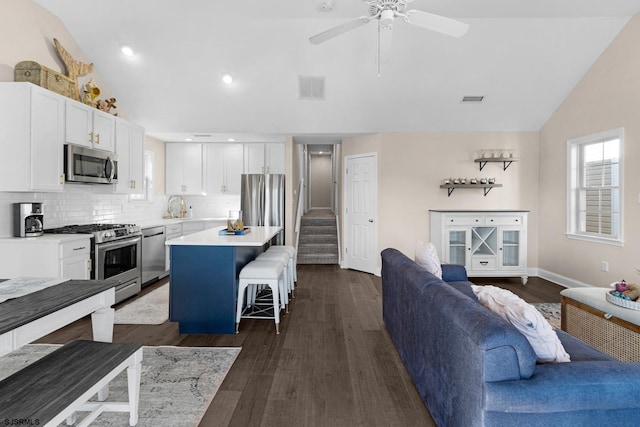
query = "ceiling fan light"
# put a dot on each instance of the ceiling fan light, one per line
(386, 19)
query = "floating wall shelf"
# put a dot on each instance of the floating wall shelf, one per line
(485, 187)
(506, 162)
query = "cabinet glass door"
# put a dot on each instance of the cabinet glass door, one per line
(457, 247)
(511, 248)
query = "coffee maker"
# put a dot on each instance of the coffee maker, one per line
(28, 219)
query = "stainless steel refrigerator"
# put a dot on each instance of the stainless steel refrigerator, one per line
(262, 201)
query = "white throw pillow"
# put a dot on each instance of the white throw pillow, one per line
(427, 258)
(527, 319)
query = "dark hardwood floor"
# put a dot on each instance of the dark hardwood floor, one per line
(332, 365)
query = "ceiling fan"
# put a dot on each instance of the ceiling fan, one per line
(385, 11)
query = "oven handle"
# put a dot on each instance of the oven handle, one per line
(119, 243)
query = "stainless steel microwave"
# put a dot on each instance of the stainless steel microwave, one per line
(83, 164)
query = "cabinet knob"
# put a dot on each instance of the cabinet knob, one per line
(91, 137)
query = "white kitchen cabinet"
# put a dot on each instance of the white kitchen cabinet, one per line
(264, 158)
(130, 150)
(75, 262)
(67, 257)
(223, 167)
(88, 126)
(487, 243)
(184, 168)
(31, 137)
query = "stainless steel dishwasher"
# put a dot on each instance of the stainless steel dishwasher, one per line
(152, 254)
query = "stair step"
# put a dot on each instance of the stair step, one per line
(317, 259)
(318, 238)
(321, 248)
(318, 229)
(318, 221)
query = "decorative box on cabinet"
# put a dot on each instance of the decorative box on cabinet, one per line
(487, 243)
(31, 137)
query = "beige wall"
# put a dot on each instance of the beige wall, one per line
(606, 98)
(320, 181)
(411, 167)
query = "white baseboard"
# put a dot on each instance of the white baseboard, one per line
(561, 280)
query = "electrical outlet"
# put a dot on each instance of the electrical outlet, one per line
(604, 266)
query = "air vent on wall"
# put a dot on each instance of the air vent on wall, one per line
(311, 87)
(472, 98)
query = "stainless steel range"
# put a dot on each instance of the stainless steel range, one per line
(115, 254)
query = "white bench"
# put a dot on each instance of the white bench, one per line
(51, 389)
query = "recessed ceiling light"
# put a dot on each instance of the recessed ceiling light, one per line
(227, 79)
(127, 50)
(231, 140)
(188, 139)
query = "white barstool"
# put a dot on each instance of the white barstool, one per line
(288, 275)
(268, 273)
(293, 255)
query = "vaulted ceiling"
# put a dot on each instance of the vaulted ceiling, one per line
(523, 56)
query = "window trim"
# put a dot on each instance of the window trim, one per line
(571, 205)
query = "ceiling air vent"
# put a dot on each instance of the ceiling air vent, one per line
(311, 87)
(472, 98)
(202, 135)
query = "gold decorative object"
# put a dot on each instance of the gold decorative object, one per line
(74, 68)
(91, 92)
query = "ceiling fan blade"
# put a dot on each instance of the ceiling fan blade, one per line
(338, 30)
(438, 23)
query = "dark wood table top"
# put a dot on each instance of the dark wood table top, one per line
(19, 311)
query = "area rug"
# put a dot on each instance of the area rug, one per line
(550, 311)
(177, 383)
(149, 309)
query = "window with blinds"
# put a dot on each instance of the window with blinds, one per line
(594, 206)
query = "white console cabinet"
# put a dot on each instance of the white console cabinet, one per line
(487, 243)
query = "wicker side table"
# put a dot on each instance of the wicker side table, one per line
(614, 330)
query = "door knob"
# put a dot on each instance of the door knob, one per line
(370, 220)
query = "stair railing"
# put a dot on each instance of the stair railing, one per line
(299, 212)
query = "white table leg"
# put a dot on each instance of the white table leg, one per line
(133, 378)
(102, 324)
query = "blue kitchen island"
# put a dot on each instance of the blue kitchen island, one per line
(204, 270)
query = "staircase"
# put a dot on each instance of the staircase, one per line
(318, 242)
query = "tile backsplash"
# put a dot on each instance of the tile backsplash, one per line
(85, 204)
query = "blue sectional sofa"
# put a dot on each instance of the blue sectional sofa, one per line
(472, 368)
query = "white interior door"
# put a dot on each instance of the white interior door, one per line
(361, 201)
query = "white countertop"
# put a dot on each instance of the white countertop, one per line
(258, 236)
(46, 239)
